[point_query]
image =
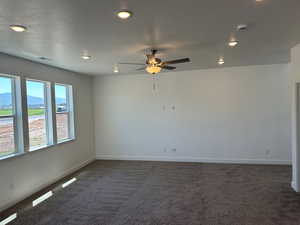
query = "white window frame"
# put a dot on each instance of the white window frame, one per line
(69, 112)
(20, 114)
(16, 115)
(48, 115)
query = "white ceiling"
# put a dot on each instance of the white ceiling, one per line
(62, 30)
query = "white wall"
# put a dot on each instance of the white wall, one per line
(26, 174)
(295, 78)
(239, 114)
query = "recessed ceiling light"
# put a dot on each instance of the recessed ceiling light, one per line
(18, 28)
(221, 61)
(116, 69)
(124, 14)
(259, 0)
(233, 43)
(86, 57)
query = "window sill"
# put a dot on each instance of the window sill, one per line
(36, 149)
(40, 148)
(11, 156)
(65, 141)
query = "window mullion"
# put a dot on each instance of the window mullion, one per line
(24, 114)
(18, 117)
(53, 112)
(17, 143)
(71, 113)
(48, 114)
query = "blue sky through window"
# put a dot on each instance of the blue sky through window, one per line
(60, 91)
(5, 85)
(35, 89)
(35, 92)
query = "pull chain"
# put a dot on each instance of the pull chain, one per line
(155, 83)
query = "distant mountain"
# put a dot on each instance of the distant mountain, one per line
(60, 100)
(5, 100)
(34, 100)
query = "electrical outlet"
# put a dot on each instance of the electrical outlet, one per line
(268, 151)
(173, 107)
(165, 149)
(174, 150)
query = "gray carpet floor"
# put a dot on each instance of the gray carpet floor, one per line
(162, 193)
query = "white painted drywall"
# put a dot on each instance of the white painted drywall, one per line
(26, 174)
(239, 114)
(295, 78)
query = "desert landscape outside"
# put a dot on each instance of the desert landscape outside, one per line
(37, 124)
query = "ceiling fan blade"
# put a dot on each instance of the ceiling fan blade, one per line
(168, 67)
(184, 60)
(142, 68)
(125, 63)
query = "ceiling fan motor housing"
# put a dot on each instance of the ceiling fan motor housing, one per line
(154, 61)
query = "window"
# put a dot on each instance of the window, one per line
(33, 115)
(64, 112)
(9, 123)
(39, 114)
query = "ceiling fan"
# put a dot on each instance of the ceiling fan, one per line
(154, 65)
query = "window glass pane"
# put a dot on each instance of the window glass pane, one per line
(61, 98)
(7, 140)
(62, 123)
(7, 137)
(62, 112)
(6, 103)
(36, 114)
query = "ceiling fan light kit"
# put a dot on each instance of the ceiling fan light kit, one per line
(152, 69)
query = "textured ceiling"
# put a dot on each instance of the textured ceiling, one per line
(62, 30)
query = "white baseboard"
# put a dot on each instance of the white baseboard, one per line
(44, 185)
(194, 159)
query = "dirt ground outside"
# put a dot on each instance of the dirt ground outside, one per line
(36, 131)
